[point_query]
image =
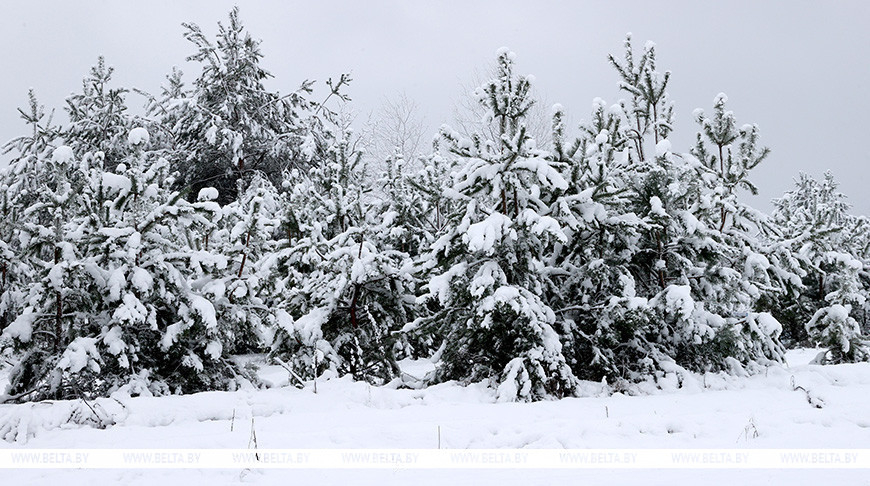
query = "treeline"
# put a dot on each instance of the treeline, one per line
(147, 251)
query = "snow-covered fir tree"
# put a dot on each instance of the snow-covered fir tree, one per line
(144, 253)
(111, 302)
(155, 323)
(815, 221)
(343, 289)
(228, 123)
(487, 285)
(98, 118)
(20, 182)
(762, 269)
(594, 289)
(249, 231)
(61, 290)
(648, 277)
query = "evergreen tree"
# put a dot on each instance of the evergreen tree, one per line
(600, 313)
(228, 125)
(157, 324)
(98, 118)
(20, 183)
(816, 224)
(649, 109)
(649, 276)
(61, 290)
(143, 254)
(111, 301)
(248, 234)
(488, 288)
(343, 294)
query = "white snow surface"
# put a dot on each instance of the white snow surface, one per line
(116, 182)
(712, 411)
(484, 235)
(138, 136)
(62, 154)
(663, 148)
(207, 194)
(205, 310)
(656, 207)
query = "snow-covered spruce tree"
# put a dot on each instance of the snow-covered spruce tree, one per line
(401, 207)
(725, 269)
(159, 325)
(98, 118)
(834, 326)
(649, 110)
(431, 181)
(19, 189)
(626, 302)
(408, 217)
(112, 303)
(248, 232)
(487, 285)
(728, 153)
(47, 330)
(228, 124)
(600, 315)
(858, 239)
(30, 164)
(409, 205)
(650, 281)
(12, 270)
(414, 214)
(812, 219)
(816, 223)
(766, 268)
(342, 288)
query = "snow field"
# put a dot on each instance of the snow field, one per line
(804, 406)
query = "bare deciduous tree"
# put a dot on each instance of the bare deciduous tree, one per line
(395, 127)
(470, 116)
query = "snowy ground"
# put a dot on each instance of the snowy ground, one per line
(799, 406)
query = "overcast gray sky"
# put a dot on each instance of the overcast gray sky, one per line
(801, 70)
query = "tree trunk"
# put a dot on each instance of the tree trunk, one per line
(639, 140)
(661, 272)
(245, 252)
(356, 289)
(58, 321)
(722, 175)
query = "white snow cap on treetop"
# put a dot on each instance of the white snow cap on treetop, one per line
(62, 154)
(504, 51)
(663, 147)
(138, 136)
(721, 98)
